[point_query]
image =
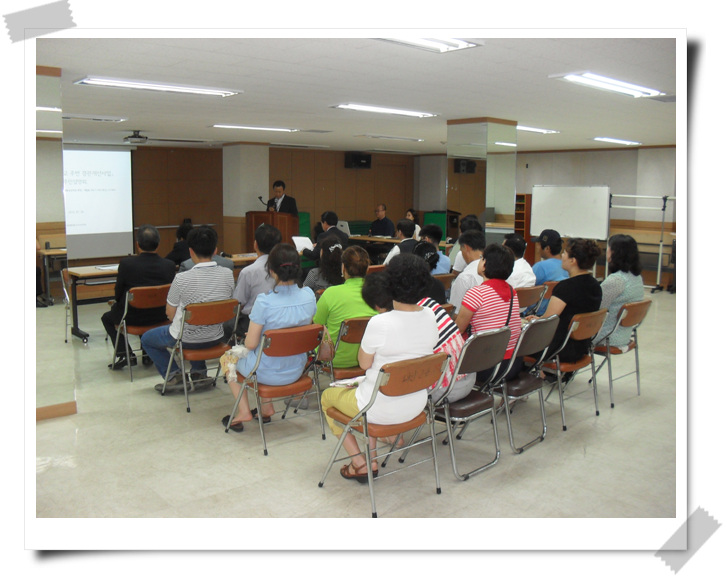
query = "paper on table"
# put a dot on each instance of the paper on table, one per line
(109, 267)
(349, 383)
(302, 243)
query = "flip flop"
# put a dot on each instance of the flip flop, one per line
(253, 412)
(357, 475)
(236, 427)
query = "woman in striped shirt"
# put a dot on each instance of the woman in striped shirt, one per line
(493, 304)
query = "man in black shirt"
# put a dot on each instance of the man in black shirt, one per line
(382, 226)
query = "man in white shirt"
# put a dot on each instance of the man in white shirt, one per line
(522, 272)
(404, 232)
(472, 244)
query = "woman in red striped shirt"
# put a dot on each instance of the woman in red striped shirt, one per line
(493, 304)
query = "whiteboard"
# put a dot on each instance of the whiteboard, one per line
(572, 211)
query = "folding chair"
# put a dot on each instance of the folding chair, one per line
(201, 314)
(631, 314)
(394, 380)
(535, 337)
(480, 352)
(584, 326)
(375, 268)
(530, 298)
(283, 342)
(351, 331)
(141, 298)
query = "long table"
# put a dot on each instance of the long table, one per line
(385, 240)
(50, 255)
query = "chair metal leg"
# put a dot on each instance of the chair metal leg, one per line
(636, 356)
(332, 459)
(562, 404)
(433, 437)
(169, 368)
(595, 385)
(538, 439)
(369, 468)
(184, 380)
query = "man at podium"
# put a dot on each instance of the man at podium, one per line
(282, 203)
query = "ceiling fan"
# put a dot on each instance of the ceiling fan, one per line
(136, 138)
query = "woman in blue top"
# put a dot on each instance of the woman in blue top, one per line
(285, 306)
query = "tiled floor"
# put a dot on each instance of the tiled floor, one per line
(130, 453)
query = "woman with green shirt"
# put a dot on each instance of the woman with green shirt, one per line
(344, 301)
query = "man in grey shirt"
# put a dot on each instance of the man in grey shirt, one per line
(254, 279)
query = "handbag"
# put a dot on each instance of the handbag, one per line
(327, 349)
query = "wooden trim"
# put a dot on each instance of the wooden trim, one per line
(49, 138)
(480, 120)
(54, 411)
(642, 225)
(48, 71)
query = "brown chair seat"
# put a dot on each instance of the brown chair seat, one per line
(601, 349)
(522, 385)
(347, 373)
(377, 430)
(139, 330)
(475, 402)
(298, 387)
(569, 367)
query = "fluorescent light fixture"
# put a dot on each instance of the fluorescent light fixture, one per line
(249, 128)
(600, 82)
(48, 109)
(536, 130)
(505, 144)
(616, 141)
(434, 44)
(392, 138)
(49, 131)
(385, 110)
(152, 86)
(99, 118)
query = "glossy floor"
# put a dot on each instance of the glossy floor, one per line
(130, 453)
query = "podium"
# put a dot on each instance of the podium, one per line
(285, 222)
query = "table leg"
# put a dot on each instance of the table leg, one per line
(75, 331)
(46, 275)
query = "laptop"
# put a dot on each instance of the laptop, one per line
(343, 226)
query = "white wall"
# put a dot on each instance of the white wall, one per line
(245, 175)
(49, 205)
(643, 172)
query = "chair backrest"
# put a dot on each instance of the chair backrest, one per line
(549, 289)
(586, 325)
(375, 268)
(483, 350)
(634, 313)
(529, 295)
(352, 329)
(142, 297)
(319, 293)
(292, 341)
(412, 375)
(536, 336)
(66, 284)
(445, 279)
(214, 312)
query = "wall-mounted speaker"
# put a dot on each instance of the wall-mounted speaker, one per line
(356, 160)
(465, 166)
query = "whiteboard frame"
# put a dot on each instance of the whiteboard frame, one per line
(574, 211)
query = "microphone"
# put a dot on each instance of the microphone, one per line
(260, 197)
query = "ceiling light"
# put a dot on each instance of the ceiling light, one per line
(99, 118)
(616, 141)
(536, 130)
(392, 138)
(48, 131)
(600, 82)
(248, 128)
(372, 109)
(505, 144)
(434, 44)
(151, 86)
(48, 109)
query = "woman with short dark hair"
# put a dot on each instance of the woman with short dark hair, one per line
(328, 271)
(624, 284)
(285, 306)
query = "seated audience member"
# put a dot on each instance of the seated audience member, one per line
(147, 268)
(224, 262)
(578, 293)
(550, 267)
(493, 304)
(376, 292)
(522, 273)
(285, 306)
(382, 226)
(472, 244)
(432, 233)
(180, 251)
(329, 224)
(624, 284)
(405, 233)
(408, 331)
(206, 282)
(435, 288)
(39, 298)
(411, 214)
(254, 279)
(468, 222)
(328, 272)
(338, 303)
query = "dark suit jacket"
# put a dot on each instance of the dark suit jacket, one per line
(145, 269)
(287, 205)
(331, 232)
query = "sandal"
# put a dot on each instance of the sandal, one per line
(236, 427)
(357, 475)
(253, 412)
